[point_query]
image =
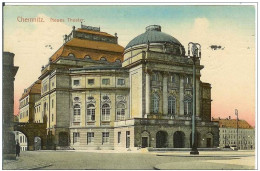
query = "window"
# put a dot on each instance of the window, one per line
(76, 82)
(90, 81)
(76, 113)
(71, 55)
(171, 105)
(91, 112)
(45, 88)
(105, 81)
(155, 77)
(172, 79)
(27, 113)
(52, 103)
(119, 137)
(21, 139)
(90, 137)
(105, 112)
(52, 84)
(155, 103)
(188, 106)
(76, 136)
(103, 59)
(121, 82)
(120, 111)
(105, 137)
(187, 80)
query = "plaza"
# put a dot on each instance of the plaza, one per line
(139, 159)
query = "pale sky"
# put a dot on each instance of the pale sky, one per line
(230, 69)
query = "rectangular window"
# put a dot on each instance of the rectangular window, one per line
(172, 79)
(90, 81)
(76, 82)
(105, 81)
(121, 82)
(76, 136)
(119, 137)
(27, 113)
(45, 88)
(52, 103)
(105, 137)
(90, 137)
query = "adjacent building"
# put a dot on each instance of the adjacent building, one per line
(9, 72)
(228, 133)
(95, 94)
(27, 102)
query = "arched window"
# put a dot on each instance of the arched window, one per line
(76, 113)
(87, 57)
(188, 106)
(118, 61)
(90, 112)
(105, 112)
(171, 105)
(103, 59)
(120, 111)
(71, 55)
(155, 103)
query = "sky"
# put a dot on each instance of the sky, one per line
(230, 69)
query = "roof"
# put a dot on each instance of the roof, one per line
(35, 88)
(95, 32)
(95, 49)
(232, 123)
(153, 34)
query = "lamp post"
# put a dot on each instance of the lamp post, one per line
(236, 113)
(196, 55)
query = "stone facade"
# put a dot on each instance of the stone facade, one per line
(97, 95)
(9, 72)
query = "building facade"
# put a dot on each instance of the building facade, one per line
(228, 136)
(22, 140)
(96, 94)
(27, 103)
(9, 72)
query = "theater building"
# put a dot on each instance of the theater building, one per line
(98, 95)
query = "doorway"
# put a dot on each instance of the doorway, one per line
(144, 142)
(161, 139)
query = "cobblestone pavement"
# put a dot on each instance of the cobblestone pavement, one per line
(132, 160)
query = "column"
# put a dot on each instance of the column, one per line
(147, 93)
(197, 96)
(165, 92)
(181, 95)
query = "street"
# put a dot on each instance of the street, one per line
(132, 160)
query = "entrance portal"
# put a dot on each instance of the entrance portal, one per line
(161, 139)
(178, 139)
(144, 142)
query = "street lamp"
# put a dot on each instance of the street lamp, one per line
(236, 113)
(196, 55)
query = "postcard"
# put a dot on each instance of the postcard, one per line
(129, 86)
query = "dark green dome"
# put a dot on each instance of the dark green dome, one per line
(153, 34)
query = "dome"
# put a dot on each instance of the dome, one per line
(153, 34)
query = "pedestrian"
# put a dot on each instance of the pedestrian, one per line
(18, 149)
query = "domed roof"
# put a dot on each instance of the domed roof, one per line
(153, 34)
